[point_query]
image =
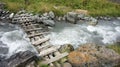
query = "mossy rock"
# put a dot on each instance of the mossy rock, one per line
(66, 48)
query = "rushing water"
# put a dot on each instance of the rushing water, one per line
(12, 40)
(105, 32)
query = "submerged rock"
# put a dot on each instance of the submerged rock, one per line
(93, 56)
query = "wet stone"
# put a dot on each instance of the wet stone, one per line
(20, 59)
(3, 50)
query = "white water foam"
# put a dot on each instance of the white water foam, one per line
(16, 42)
(81, 34)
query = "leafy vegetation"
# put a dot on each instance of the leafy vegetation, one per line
(60, 7)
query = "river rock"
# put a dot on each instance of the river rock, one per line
(81, 13)
(2, 5)
(71, 17)
(11, 15)
(66, 48)
(66, 64)
(92, 21)
(118, 18)
(3, 50)
(4, 64)
(51, 14)
(93, 55)
(49, 22)
(20, 59)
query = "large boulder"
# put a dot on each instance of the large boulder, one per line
(93, 56)
(20, 59)
(76, 15)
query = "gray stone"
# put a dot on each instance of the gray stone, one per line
(21, 59)
(94, 56)
(2, 5)
(92, 21)
(51, 14)
(11, 15)
(118, 18)
(67, 64)
(45, 14)
(66, 48)
(80, 16)
(49, 22)
(71, 17)
(3, 50)
(4, 64)
(44, 18)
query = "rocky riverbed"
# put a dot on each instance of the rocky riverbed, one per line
(74, 29)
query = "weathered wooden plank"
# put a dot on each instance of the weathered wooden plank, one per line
(37, 34)
(27, 30)
(48, 51)
(40, 41)
(44, 46)
(56, 58)
(31, 25)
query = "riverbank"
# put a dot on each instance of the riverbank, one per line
(95, 8)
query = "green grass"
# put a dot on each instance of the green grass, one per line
(95, 7)
(115, 47)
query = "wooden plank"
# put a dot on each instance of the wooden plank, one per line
(40, 41)
(28, 30)
(37, 34)
(55, 58)
(31, 25)
(44, 46)
(48, 51)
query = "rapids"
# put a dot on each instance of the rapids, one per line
(105, 32)
(14, 40)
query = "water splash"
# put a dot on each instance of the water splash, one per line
(106, 32)
(15, 40)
